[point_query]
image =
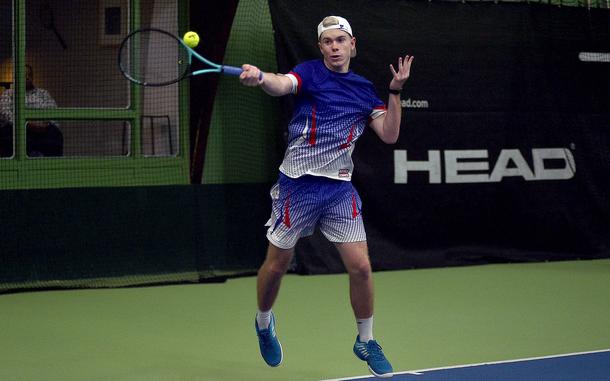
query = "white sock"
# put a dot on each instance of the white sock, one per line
(263, 319)
(365, 329)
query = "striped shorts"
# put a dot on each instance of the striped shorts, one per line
(299, 205)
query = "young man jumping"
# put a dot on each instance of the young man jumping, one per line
(333, 106)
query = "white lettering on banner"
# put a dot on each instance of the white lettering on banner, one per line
(501, 169)
(453, 166)
(402, 166)
(510, 163)
(414, 103)
(541, 154)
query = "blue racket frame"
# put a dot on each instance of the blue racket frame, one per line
(214, 67)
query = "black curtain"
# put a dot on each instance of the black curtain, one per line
(504, 146)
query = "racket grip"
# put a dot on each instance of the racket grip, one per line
(231, 70)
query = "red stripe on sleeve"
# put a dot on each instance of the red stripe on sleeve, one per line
(376, 108)
(299, 81)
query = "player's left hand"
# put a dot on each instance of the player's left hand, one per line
(403, 72)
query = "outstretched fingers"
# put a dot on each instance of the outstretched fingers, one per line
(401, 73)
(404, 67)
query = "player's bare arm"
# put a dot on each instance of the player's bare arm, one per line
(273, 84)
(387, 126)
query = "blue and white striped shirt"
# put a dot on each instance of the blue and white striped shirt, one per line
(331, 111)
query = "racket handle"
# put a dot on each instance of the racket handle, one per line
(233, 70)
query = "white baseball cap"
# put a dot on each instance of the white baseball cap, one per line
(334, 22)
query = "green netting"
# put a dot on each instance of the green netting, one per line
(68, 118)
(242, 145)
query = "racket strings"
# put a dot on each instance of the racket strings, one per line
(154, 57)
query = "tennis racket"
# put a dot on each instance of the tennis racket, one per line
(154, 57)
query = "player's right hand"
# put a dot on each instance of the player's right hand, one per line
(250, 76)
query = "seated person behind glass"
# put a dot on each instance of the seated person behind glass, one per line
(42, 138)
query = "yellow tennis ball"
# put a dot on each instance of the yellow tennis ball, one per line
(191, 39)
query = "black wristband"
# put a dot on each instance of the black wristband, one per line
(392, 91)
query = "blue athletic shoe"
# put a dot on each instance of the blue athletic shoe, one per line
(373, 355)
(270, 346)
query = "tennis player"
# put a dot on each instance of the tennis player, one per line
(333, 105)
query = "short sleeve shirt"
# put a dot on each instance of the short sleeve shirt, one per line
(331, 111)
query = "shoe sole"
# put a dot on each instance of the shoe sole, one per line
(385, 375)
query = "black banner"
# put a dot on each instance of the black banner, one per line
(505, 139)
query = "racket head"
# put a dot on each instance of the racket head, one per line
(154, 57)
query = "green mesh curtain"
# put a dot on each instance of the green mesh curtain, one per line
(243, 144)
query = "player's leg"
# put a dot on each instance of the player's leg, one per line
(270, 275)
(356, 260)
(267, 288)
(342, 224)
(289, 221)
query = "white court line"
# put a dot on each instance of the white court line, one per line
(419, 372)
(594, 57)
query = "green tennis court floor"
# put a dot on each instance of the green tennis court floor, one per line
(424, 319)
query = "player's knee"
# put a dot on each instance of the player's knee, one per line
(277, 268)
(361, 271)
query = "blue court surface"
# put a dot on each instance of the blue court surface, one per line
(584, 366)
